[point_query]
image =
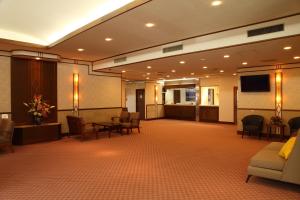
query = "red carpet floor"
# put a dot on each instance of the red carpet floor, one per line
(168, 160)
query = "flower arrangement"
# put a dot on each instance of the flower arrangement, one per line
(38, 108)
(276, 120)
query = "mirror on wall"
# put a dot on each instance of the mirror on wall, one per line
(210, 96)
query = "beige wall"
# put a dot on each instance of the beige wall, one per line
(94, 91)
(97, 115)
(264, 103)
(5, 100)
(226, 85)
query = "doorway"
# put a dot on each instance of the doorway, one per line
(235, 91)
(140, 102)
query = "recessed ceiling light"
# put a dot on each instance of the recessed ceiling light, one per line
(38, 58)
(207, 76)
(226, 56)
(234, 74)
(149, 25)
(296, 57)
(192, 73)
(221, 71)
(80, 49)
(287, 48)
(168, 76)
(204, 67)
(216, 3)
(108, 39)
(148, 73)
(123, 71)
(202, 59)
(173, 70)
(182, 62)
(244, 63)
(149, 67)
(147, 78)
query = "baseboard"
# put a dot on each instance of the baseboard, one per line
(222, 122)
(154, 119)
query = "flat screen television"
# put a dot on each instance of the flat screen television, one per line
(255, 83)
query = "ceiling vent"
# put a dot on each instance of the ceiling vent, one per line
(119, 60)
(172, 48)
(266, 30)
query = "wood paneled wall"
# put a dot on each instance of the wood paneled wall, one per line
(30, 77)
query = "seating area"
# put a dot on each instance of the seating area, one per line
(268, 163)
(149, 100)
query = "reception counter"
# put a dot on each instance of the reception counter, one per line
(181, 112)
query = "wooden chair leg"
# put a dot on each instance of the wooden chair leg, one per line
(248, 177)
(139, 129)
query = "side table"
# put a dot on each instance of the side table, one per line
(271, 127)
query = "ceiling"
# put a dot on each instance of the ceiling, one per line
(45, 22)
(174, 20)
(257, 54)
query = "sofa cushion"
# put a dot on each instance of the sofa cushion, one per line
(287, 148)
(275, 146)
(268, 159)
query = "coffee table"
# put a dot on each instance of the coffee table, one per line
(110, 126)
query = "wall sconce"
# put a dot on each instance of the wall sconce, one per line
(75, 92)
(278, 94)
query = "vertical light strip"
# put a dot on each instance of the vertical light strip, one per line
(76, 92)
(278, 92)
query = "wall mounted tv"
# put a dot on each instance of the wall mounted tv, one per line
(255, 83)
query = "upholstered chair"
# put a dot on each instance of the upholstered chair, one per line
(6, 133)
(294, 125)
(134, 122)
(123, 118)
(252, 124)
(77, 126)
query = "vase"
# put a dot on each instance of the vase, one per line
(37, 120)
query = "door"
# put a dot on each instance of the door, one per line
(140, 102)
(235, 91)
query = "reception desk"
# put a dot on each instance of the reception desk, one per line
(181, 112)
(209, 113)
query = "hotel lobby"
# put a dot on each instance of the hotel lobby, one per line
(149, 99)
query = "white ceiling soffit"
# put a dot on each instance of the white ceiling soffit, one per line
(48, 21)
(266, 53)
(213, 41)
(174, 20)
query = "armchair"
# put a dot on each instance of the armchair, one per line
(134, 122)
(77, 126)
(294, 125)
(124, 117)
(6, 133)
(252, 124)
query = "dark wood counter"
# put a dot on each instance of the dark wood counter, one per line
(29, 134)
(209, 113)
(181, 112)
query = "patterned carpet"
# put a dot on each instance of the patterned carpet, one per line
(168, 160)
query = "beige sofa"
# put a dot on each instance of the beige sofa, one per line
(268, 164)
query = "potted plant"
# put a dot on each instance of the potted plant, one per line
(38, 108)
(276, 120)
